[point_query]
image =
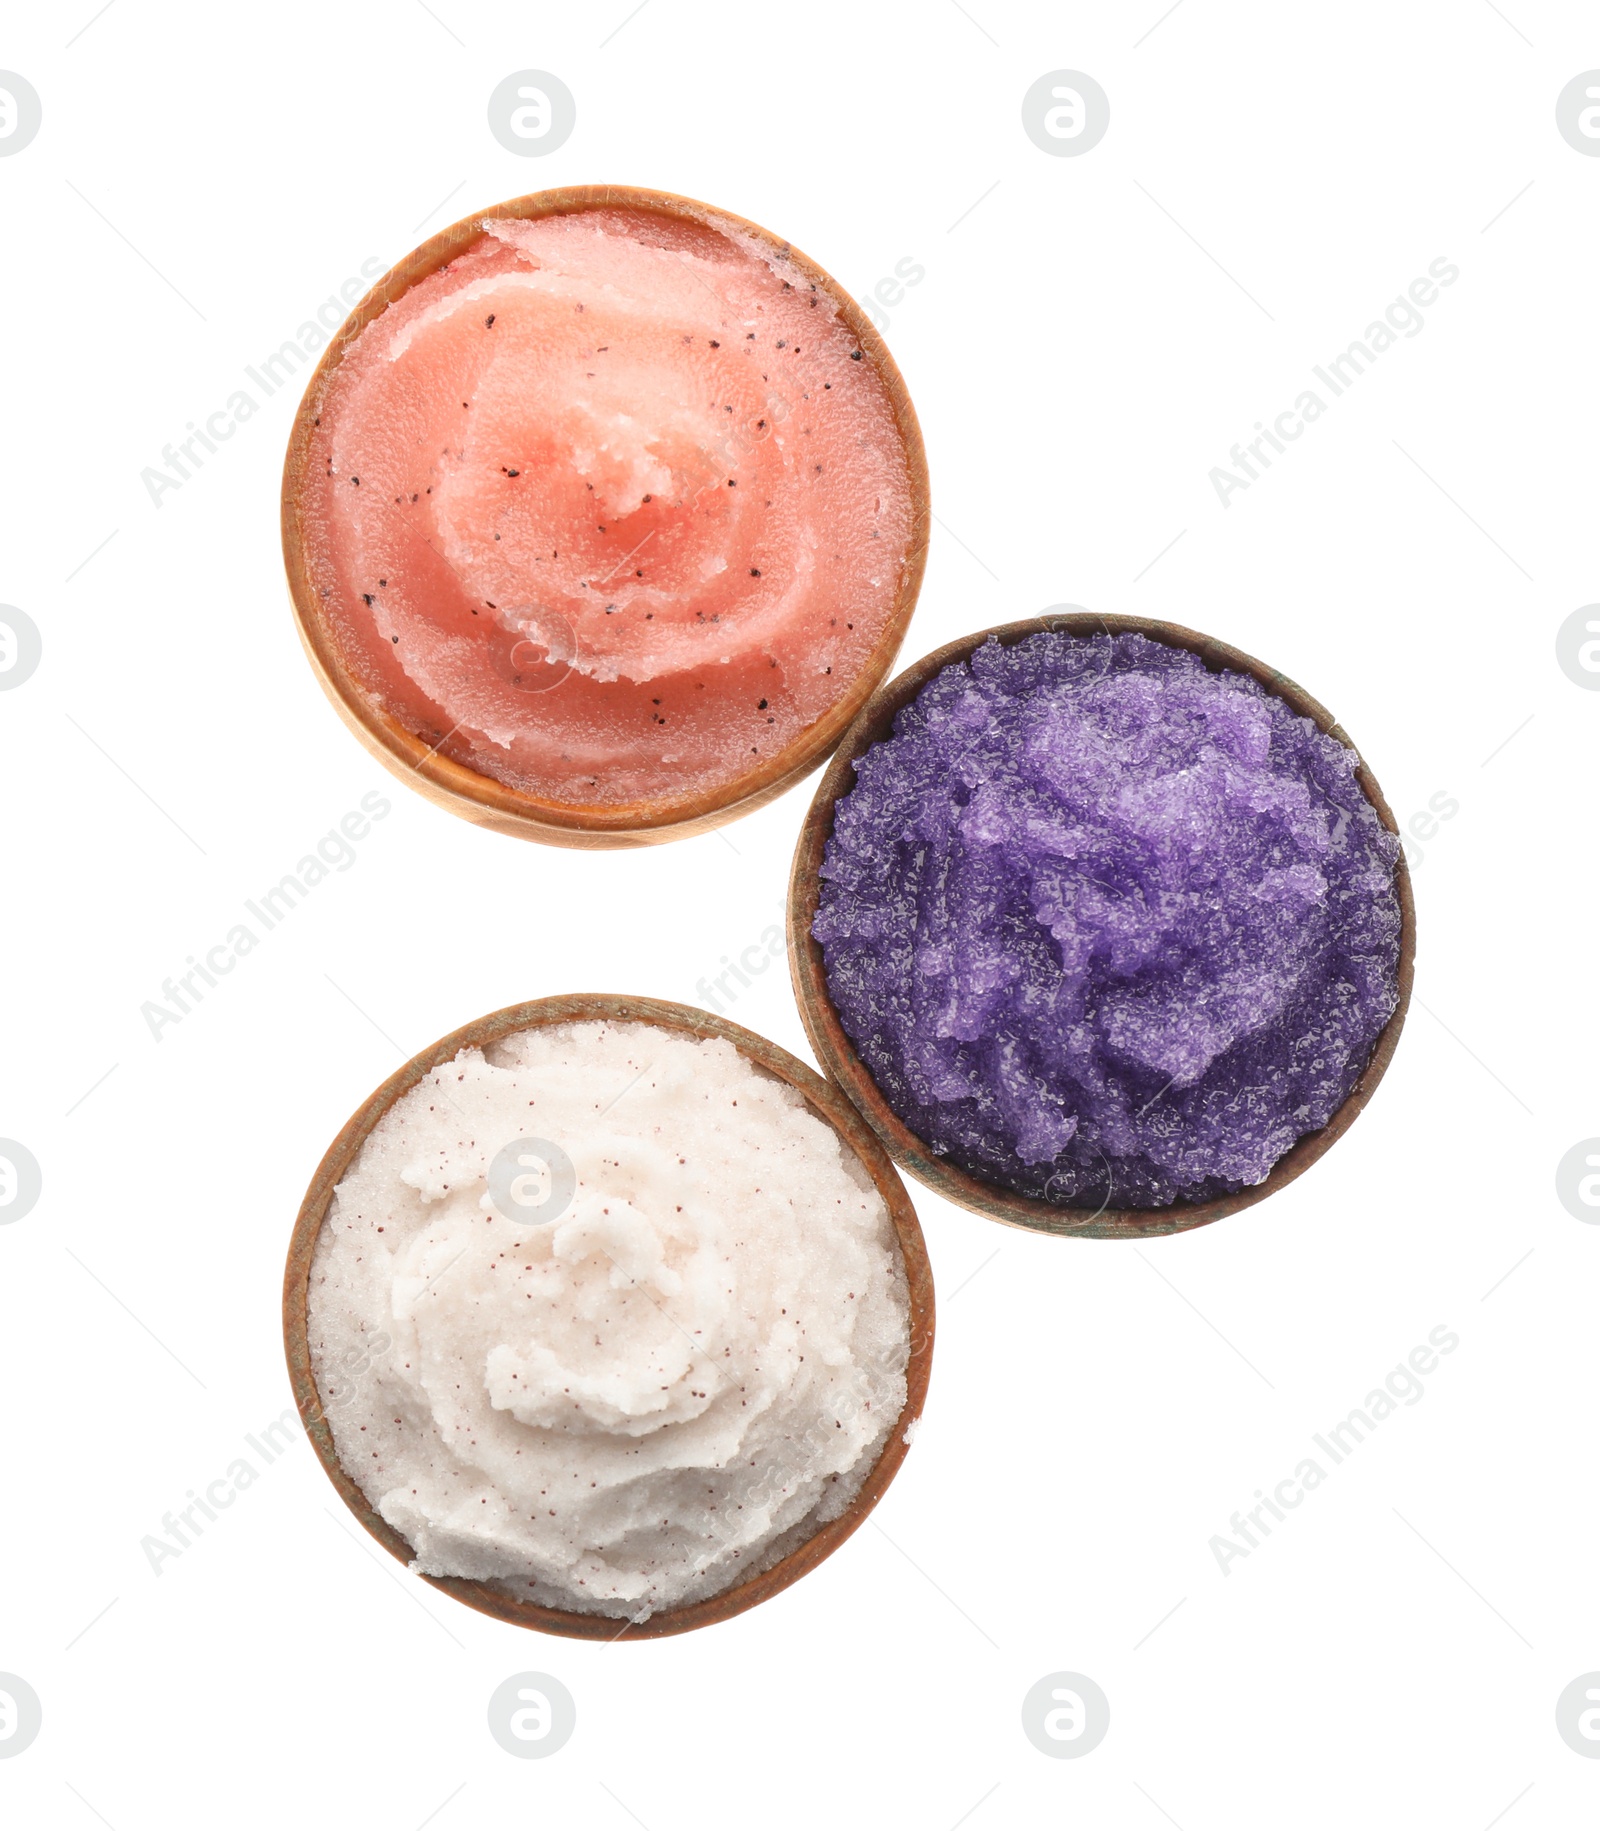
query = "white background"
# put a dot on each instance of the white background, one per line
(1079, 362)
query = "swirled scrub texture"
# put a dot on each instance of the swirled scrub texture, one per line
(611, 508)
(1108, 928)
(677, 1371)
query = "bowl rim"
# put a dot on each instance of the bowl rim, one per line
(837, 1053)
(823, 1099)
(481, 798)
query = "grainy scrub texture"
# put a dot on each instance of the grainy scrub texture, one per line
(1107, 927)
(675, 1374)
(611, 507)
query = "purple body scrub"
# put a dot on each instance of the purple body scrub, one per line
(1107, 928)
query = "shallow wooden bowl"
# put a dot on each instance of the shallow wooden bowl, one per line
(824, 1100)
(838, 1055)
(480, 798)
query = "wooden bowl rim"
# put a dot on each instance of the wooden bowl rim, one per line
(837, 1053)
(481, 798)
(823, 1099)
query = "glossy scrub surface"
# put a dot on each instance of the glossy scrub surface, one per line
(612, 508)
(676, 1373)
(1109, 929)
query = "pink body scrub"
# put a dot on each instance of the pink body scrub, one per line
(612, 508)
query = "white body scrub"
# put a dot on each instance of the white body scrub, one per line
(659, 1390)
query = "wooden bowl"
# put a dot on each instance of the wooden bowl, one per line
(838, 1055)
(824, 1100)
(480, 798)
